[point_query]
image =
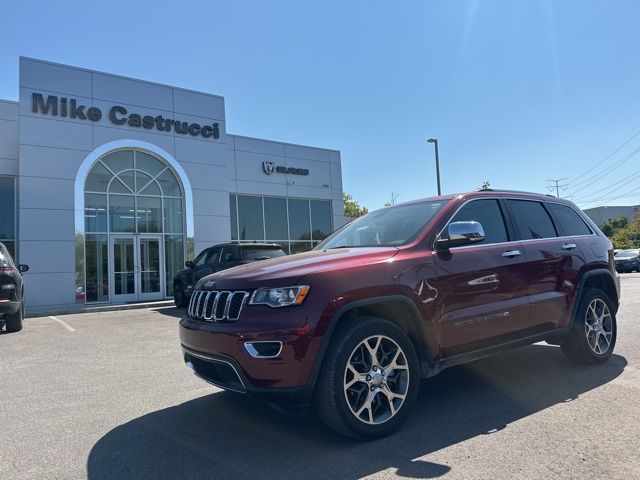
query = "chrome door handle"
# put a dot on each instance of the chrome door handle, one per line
(569, 246)
(511, 253)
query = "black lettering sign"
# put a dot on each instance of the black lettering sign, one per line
(38, 104)
(94, 114)
(114, 117)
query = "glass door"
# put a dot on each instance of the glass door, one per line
(123, 269)
(150, 268)
(136, 268)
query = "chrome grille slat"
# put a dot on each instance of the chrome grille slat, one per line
(217, 306)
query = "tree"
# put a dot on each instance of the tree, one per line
(629, 235)
(610, 227)
(351, 208)
(485, 185)
(394, 197)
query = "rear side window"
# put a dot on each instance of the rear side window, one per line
(261, 253)
(531, 219)
(570, 222)
(489, 215)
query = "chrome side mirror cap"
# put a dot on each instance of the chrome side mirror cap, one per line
(459, 234)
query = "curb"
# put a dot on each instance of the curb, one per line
(103, 308)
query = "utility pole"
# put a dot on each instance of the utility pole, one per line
(435, 143)
(557, 187)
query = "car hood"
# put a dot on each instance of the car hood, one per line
(293, 267)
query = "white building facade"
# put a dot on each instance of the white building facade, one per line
(108, 184)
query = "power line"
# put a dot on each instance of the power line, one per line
(557, 186)
(627, 142)
(604, 173)
(630, 193)
(617, 184)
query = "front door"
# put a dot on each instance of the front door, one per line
(136, 268)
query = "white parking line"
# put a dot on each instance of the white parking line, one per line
(63, 323)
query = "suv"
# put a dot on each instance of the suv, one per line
(627, 261)
(217, 258)
(400, 294)
(11, 291)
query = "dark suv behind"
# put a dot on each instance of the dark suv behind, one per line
(400, 294)
(217, 258)
(11, 291)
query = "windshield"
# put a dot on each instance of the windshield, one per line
(389, 227)
(261, 253)
(627, 254)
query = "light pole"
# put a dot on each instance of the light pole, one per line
(435, 143)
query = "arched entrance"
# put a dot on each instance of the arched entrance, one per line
(134, 227)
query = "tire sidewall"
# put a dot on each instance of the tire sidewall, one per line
(367, 327)
(580, 320)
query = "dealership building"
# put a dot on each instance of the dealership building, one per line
(108, 184)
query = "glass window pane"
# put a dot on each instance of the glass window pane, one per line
(148, 164)
(489, 215)
(234, 217)
(121, 208)
(97, 276)
(119, 161)
(173, 217)
(7, 208)
(299, 247)
(531, 219)
(11, 247)
(250, 218)
(95, 212)
(141, 181)
(118, 187)
(169, 184)
(275, 218)
(128, 179)
(174, 258)
(320, 219)
(149, 214)
(98, 179)
(123, 266)
(151, 189)
(299, 221)
(570, 221)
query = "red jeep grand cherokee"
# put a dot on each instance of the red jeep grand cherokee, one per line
(400, 294)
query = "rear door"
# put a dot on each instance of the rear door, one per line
(482, 287)
(553, 262)
(206, 265)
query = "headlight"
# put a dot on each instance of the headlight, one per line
(279, 297)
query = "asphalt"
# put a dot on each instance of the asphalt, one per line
(106, 396)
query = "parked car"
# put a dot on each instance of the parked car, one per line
(217, 258)
(400, 294)
(627, 261)
(11, 291)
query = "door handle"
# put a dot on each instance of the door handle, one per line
(569, 246)
(511, 253)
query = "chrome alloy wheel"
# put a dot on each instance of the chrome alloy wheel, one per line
(598, 326)
(376, 380)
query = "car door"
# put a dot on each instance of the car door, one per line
(205, 264)
(230, 257)
(482, 287)
(553, 262)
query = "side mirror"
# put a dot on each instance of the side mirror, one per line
(188, 264)
(459, 234)
(23, 268)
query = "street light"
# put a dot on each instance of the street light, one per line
(435, 143)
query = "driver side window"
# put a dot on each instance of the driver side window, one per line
(489, 214)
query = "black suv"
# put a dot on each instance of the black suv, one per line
(217, 258)
(11, 291)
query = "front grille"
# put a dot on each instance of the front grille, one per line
(216, 306)
(219, 373)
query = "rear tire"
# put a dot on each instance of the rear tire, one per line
(13, 322)
(179, 298)
(592, 337)
(369, 379)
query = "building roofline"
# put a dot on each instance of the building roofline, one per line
(283, 143)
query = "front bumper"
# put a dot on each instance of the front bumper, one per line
(7, 307)
(216, 352)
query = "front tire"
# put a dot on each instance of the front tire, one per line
(592, 337)
(13, 322)
(369, 379)
(179, 298)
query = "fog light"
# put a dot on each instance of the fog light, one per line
(263, 349)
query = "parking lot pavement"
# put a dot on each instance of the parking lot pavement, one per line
(106, 396)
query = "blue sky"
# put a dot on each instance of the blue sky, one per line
(517, 92)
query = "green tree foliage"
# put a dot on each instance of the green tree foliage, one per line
(629, 235)
(351, 208)
(610, 227)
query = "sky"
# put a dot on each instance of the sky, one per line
(516, 92)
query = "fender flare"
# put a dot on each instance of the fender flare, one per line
(333, 323)
(580, 289)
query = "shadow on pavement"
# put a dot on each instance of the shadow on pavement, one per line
(224, 435)
(170, 311)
